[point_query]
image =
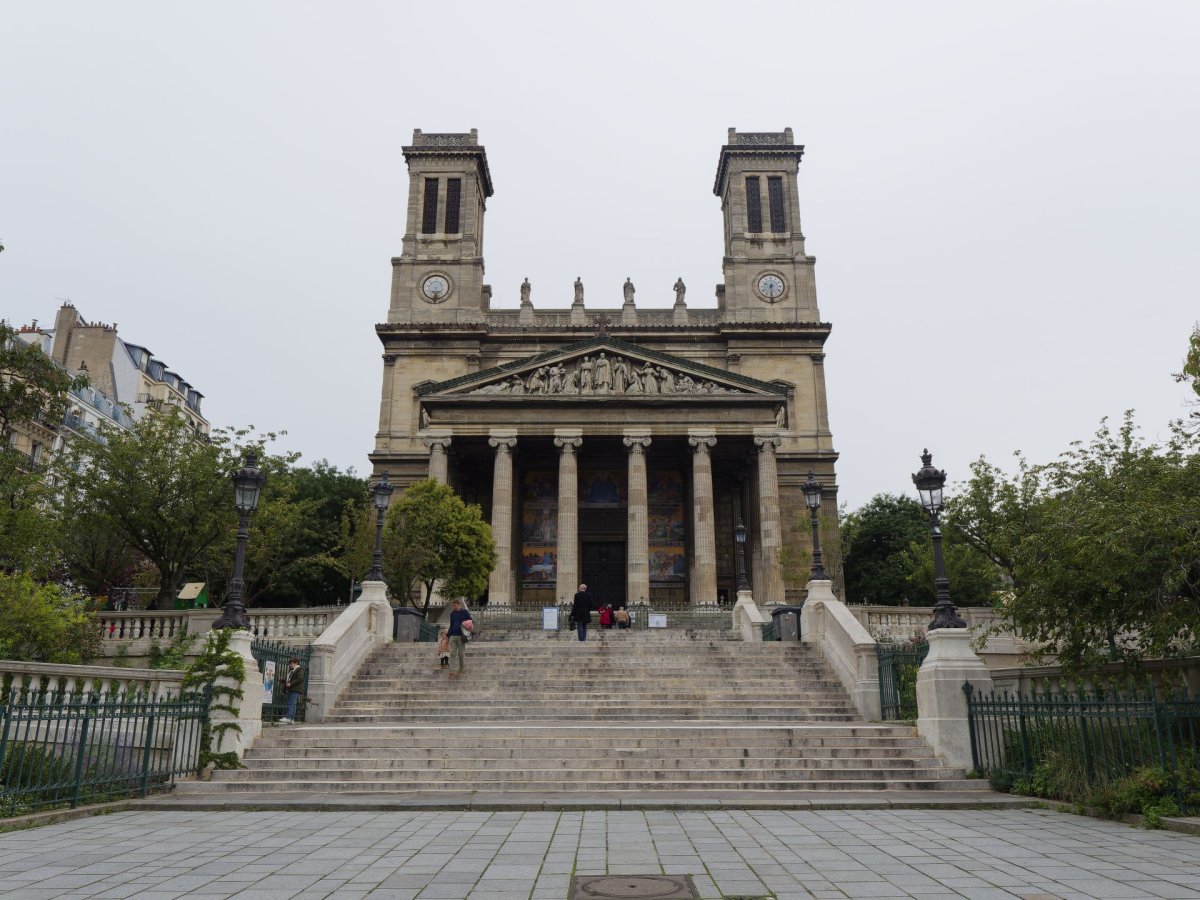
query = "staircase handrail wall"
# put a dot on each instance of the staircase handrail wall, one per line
(71, 681)
(342, 648)
(848, 647)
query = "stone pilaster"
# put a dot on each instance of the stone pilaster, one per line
(439, 464)
(637, 551)
(500, 583)
(770, 532)
(567, 579)
(704, 572)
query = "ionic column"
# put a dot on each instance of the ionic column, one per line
(567, 577)
(770, 534)
(439, 466)
(704, 571)
(500, 582)
(637, 549)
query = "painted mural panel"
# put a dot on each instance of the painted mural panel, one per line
(539, 528)
(602, 488)
(667, 527)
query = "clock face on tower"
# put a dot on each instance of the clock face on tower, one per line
(435, 288)
(770, 287)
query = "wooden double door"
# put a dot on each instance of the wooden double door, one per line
(602, 565)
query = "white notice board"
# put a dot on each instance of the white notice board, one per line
(549, 618)
(268, 680)
(658, 620)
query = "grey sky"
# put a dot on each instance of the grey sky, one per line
(1001, 197)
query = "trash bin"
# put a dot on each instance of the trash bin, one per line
(406, 623)
(787, 623)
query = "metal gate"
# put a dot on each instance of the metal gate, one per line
(270, 651)
(898, 668)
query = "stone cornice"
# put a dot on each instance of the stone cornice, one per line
(779, 151)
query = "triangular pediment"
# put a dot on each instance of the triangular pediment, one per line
(603, 367)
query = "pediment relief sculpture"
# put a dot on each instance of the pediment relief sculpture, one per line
(604, 375)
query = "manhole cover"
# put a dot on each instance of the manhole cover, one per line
(632, 887)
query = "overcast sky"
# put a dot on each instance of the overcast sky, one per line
(1002, 198)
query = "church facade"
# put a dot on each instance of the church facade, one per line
(619, 447)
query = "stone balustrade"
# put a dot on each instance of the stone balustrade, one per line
(905, 621)
(134, 632)
(1168, 676)
(66, 681)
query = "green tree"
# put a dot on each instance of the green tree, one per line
(1103, 545)
(433, 536)
(44, 622)
(164, 489)
(875, 540)
(33, 390)
(1190, 373)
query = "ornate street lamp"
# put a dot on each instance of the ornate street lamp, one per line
(379, 496)
(930, 482)
(740, 533)
(812, 496)
(247, 484)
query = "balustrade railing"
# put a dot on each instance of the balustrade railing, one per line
(135, 626)
(64, 681)
(139, 629)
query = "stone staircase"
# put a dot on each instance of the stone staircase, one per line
(626, 711)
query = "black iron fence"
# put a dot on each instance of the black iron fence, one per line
(1094, 739)
(265, 652)
(87, 748)
(898, 667)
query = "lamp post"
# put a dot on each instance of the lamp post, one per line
(930, 482)
(812, 496)
(247, 484)
(379, 496)
(740, 533)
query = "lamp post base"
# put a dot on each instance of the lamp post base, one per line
(373, 590)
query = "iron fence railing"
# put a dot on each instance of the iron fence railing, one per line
(898, 667)
(1106, 736)
(280, 654)
(427, 633)
(768, 631)
(86, 748)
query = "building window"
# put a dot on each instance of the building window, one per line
(753, 205)
(35, 453)
(453, 203)
(775, 199)
(429, 221)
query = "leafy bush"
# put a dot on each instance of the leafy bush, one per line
(174, 655)
(44, 623)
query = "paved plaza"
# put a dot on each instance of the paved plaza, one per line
(497, 855)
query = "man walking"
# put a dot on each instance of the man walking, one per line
(460, 626)
(293, 684)
(581, 611)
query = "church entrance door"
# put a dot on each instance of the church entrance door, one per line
(603, 567)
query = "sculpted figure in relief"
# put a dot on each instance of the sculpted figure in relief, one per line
(424, 418)
(620, 375)
(628, 289)
(666, 383)
(649, 379)
(585, 376)
(680, 290)
(537, 381)
(780, 418)
(603, 374)
(578, 291)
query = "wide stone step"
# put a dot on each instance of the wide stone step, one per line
(472, 761)
(604, 755)
(570, 785)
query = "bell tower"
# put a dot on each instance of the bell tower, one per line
(768, 276)
(438, 276)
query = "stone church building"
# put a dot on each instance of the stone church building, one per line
(622, 446)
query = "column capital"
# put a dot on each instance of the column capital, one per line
(767, 442)
(568, 444)
(702, 441)
(441, 441)
(503, 443)
(636, 441)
